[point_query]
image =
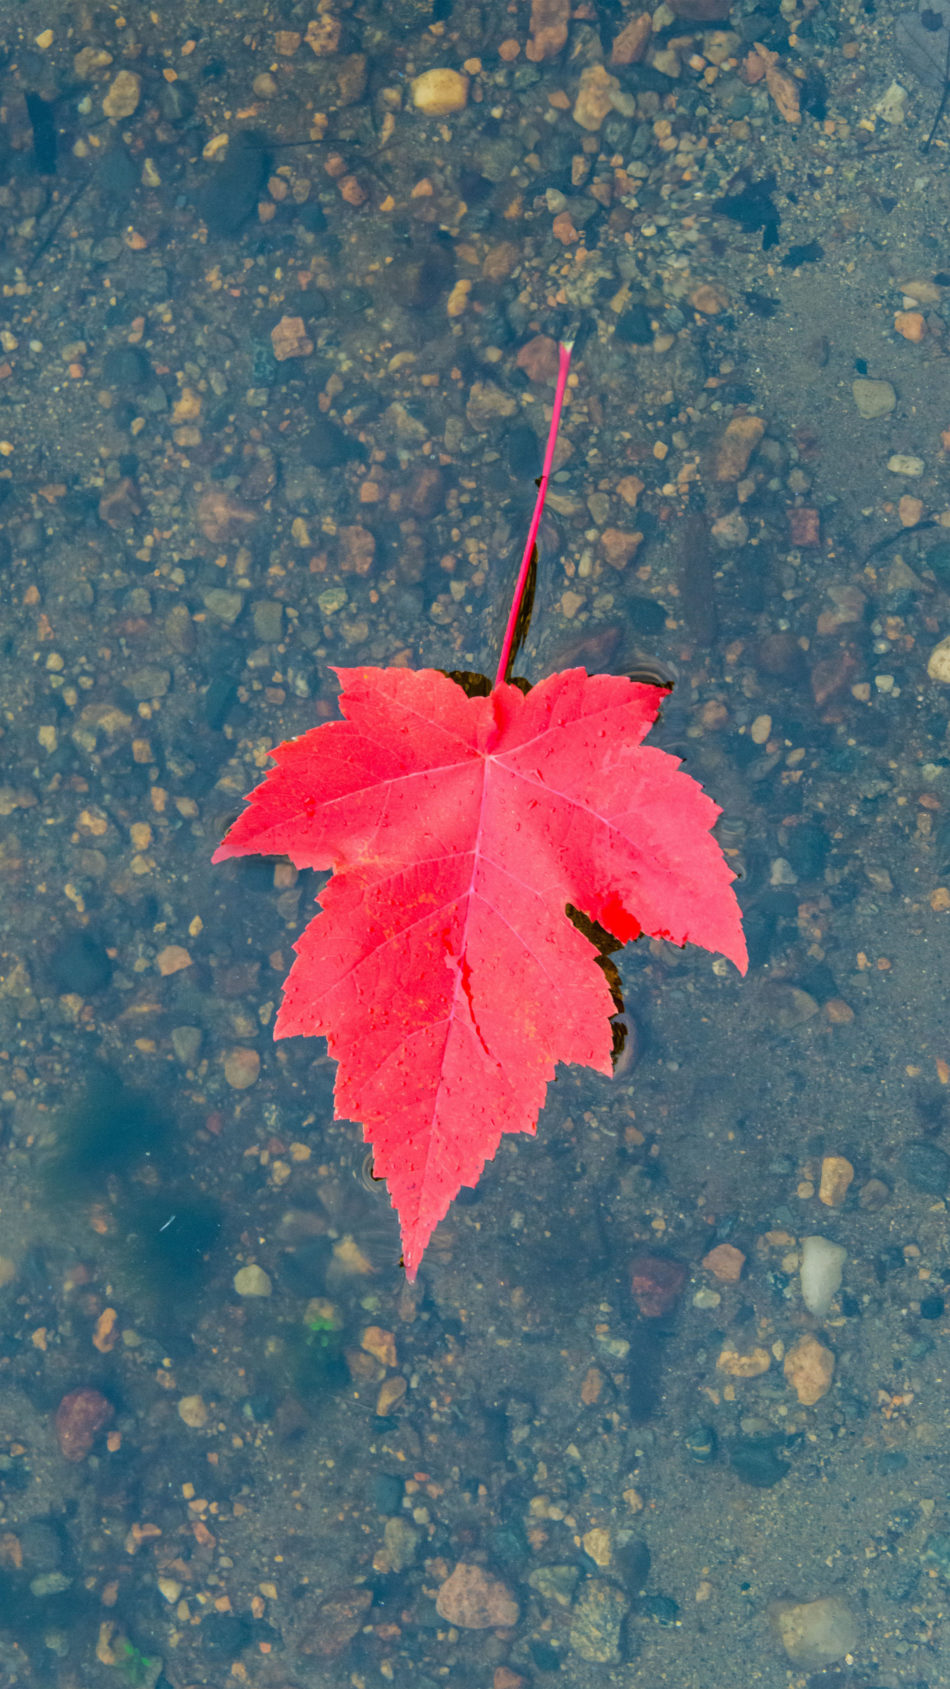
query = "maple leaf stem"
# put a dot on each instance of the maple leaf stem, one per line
(564, 364)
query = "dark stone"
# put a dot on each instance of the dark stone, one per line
(230, 195)
(80, 965)
(523, 452)
(757, 1462)
(810, 252)
(926, 1167)
(126, 368)
(701, 1443)
(632, 1561)
(662, 1609)
(545, 1657)
(807, 850)
(647, 616)
(931, 1308)
(324, 444)
(387, 1493)
(633, 326)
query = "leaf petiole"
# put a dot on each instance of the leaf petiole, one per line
(564, 364)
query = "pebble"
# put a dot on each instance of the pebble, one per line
(252, 1281)
(193, 1411)
(473, 1599)
(821, 1269)
(816, 1633)
(656, 1283)
(186, 1043)
(836, 1176)
(873, 398)
(739, 441)
(440, 91)
(595, 97)
(289, 339)
(172, 959)
(549, 21)
(749, 1365)
(596, 1621)
(400, 1542)
(223, 605)
(241, 1067)
(902, 463)
(123, 95)
(809, 1368)
(555, 1583)
(81, 1415)
(938, 663)
(725, 1262)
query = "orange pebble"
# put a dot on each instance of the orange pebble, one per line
(910, 324)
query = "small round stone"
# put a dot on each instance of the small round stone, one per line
(440, 91)
(252, 1281)
(241, 1067)
(873, 398)
(938, 663)
(193, 1411)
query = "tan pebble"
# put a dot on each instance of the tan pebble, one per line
(7, 1270)
(619, 547)
(630, 487)
(193, 1411)
(631, 44)
(761, 729)
(474, 1600)
(594, 97)
(170, 1589)
(809, 1368)
(104, 1336)
(910, 324)
(910, 510)
(457, 301)
(836, 1175)
(549, 21)
(252, 1281)
(172, 959)
(90, 59)
(592, 1386)
(123, 95)
(290, 339)
(597, 1545)
(323, 35)
(873, 1195)
(509, 49)
(286, 42)
(241, 1068)
(634, 1500)
(391, 1392)
(938, 663)
(440, 91)
(539, 358)
(749, 1365)
(839, 1012)
(353, 191)
(379, 1343)
(563, 229)
(725, 1262)
(708, 300)
(739, 441)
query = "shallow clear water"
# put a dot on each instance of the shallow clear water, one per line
(272, 397)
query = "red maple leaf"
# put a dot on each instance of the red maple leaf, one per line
(445, 971)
